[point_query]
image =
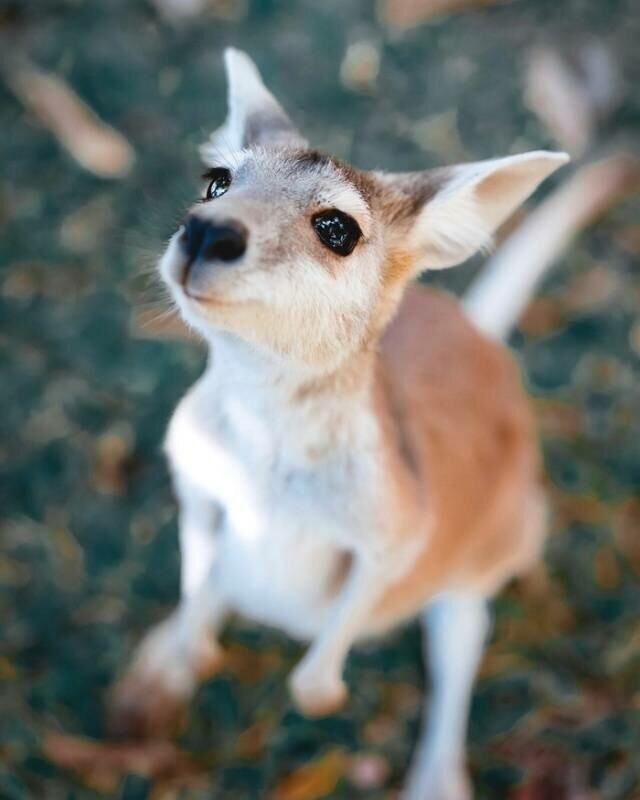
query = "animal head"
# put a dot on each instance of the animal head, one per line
(306, 257)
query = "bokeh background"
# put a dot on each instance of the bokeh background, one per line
(89, 554)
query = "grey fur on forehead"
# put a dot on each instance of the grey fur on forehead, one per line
(268, 128)
(320, 163)
(309, 163)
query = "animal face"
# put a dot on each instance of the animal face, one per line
(282, 250)
(306, 257)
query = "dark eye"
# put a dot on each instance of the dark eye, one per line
(220, 180)
(337, 230)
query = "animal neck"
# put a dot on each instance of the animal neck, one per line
(308, 410)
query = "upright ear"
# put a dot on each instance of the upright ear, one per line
(448, 214)
(254, 115)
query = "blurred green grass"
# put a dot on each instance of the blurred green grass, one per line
(89, 553)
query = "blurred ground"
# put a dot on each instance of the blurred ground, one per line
(89, 556)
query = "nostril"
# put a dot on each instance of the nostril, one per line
(213, 242)
(193, 236)
(227, 244)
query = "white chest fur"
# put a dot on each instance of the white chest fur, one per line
(293, 503)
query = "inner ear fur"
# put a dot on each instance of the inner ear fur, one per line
(254, 116)
(446, 215)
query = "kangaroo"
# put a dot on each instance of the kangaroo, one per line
(358, 450)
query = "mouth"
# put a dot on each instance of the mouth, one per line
(194, 297)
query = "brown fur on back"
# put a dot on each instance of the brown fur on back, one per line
(464, 425)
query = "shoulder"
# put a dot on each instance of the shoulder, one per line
(444, 371)
(431, 333)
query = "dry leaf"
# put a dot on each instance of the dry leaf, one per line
(555, 95)
(558, 419)
(360, 66)
(8, 671)
(314, 780)
(102, 765)
(407, 13)
(401, 698)
(251, 742)
(82, 231)
(248, 665)
(594, 287)
(571, 508)
(111, 459)
(177, 11)
(381, 729)
(542, 316)
(439, 134)
(95, 145)
(570, 94)
(606, 569)
(626, 531)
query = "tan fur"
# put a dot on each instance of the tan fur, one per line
(399, 265)
(459, 406)
(459, 446)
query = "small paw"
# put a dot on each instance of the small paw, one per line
(151, 699)
(139, 707)
(315, 694)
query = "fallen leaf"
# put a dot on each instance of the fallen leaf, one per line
(177, 11)
(558, 419)
(554, 94)
(94, 144)
(572, 508)
(542, 316)
(381, 729)
(606, 569)
(103, 764)
(360, 66)
(250, 666)
(439, 134)
(626, 530)
(594, 287)
(8, 672)
(83, 230)
(112, 458)
(571, 92)
(401, 697)
(313, 780)
(407, 13)
(251, 742)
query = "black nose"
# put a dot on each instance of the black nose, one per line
(212, 241)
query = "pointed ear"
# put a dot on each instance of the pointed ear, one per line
(452, 212)
(254, 115)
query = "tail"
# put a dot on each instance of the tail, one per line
(498, 297)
